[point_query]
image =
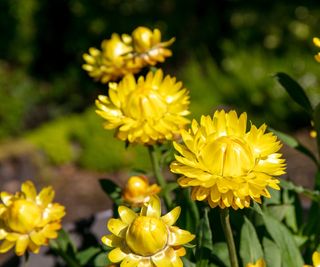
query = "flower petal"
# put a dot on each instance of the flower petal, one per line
(29, 190)
(6, 245)
(6, 198)
(152, 208)
(117, 227)
(22, 244)
(171, 217)
(111, 240)
(179, 237)
(46, 196)
(116, 255)
(127, 215)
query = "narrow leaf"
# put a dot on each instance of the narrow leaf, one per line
(250, 247)
(86, 255)
(291, 256)
(111, 189)
(295, 91)
(271, 252)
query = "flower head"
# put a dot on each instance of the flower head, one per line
(316, 42)
(148, 45)
(145, 111)
(28, 220)
(126, 54)
(138, 191)
(315, 260)
(113, 61)
(226, 165)
(259, 263)
(147, 239)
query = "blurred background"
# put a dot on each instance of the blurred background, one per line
(226, 52)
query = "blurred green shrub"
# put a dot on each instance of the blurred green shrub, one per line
(19, 94)
(81, 139)
(244, 81)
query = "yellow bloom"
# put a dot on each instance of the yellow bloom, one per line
(28, 220)
(315, 260)
(146, 111)
(113, 61)
(226, 165)
(149, 47)
(146, 239)
(316, 42)
(259, 263)
(138, 191)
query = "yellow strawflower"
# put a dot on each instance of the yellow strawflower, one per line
(126, 54)
(316, 42)
(148, 46)
(113, 61)
(145, 111)
(146, 239)
(138, 191)
(315, 260)
(259, 263)
(226, 165)
(28, 220)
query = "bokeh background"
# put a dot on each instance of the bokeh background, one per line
(226, 53)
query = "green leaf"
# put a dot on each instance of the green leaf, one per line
(187, 263)
(312, 194)
(86, 255)
(250, 247)
(220, 250)
(295, 91)
(101, 260)
(278, 211)
(272, 254)
(112, 190)
(294, 143)
(291, 256)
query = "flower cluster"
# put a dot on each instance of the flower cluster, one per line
(226, 165)
(145, 111)
(28, 220)
(126, 54)
(146, 239)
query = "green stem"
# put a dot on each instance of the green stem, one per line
(158, 174)
(225, 221)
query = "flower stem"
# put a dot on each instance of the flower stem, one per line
(69, 260)
(225, 222)
(158, 174)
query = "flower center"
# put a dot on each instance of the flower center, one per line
(23, 216)
(136, 186)
(227, 156)
(146, 236)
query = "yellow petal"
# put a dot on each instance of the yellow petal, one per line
(171, 217)
(116, 255)
(6, 245)
(130, 261)
(316, 259)
(6, 197)
(29, 190)
(38, 238)
(46, 196)
(117, 227)
(3, 234)
(111, 240)
(22, 244)
(152, 208)
(33, 247)
(179, 237)
(127, 215)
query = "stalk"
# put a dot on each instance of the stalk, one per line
(225, 222)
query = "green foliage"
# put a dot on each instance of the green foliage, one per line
(244, 81)
(81, 139)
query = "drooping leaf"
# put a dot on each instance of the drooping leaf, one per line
(101, 260)
(312, 194)
(250, 247)
(295, 91)
(291, 256)
(272, 254)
